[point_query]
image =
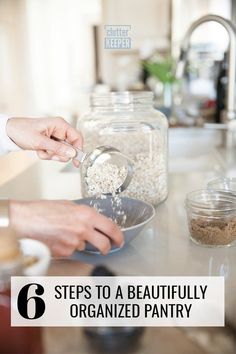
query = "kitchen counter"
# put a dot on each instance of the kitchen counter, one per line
(163, 248)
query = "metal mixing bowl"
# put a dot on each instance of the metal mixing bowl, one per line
(138, 214)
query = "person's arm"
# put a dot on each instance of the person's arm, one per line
(64, 226)
(6, 144)
(52, 138)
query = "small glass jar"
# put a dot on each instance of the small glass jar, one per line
(211, 217)
(223, 183)
(127, 121)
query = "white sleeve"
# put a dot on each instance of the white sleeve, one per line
(6, 144)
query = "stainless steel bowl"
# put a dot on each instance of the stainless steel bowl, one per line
(138, 214)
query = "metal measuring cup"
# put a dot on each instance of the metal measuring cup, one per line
(103, 154)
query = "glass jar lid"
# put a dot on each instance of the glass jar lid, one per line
(122, 100)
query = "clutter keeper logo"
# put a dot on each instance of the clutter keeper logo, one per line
(117, 37)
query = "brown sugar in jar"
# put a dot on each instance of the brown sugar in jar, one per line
(213, 232)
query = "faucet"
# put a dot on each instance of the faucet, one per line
(229, 116)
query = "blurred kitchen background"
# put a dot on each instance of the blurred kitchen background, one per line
(53, 56)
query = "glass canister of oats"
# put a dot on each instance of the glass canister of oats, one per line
(128, 122)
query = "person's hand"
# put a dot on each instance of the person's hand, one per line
(64, 226)
(47, 136)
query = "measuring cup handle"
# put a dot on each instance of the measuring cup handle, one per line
(80, 155)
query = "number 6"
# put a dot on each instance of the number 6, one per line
(23, 301)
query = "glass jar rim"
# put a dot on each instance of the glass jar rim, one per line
(220, 180)
(145, 93)
(203, 199)
(121, 98)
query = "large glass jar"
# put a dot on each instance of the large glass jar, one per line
(128, 122)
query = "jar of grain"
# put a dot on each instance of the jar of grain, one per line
(128, 122)
(212, 217)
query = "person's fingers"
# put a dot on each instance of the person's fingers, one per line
(57, 147)
(43, 155)
(109, 228)
(66, 243)
(60, 129)
(81, 245)
(60, 250)
(76, 163)
(74, 137)
(77, 143)
(59, 158)
(99, 241)
(48, 155)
